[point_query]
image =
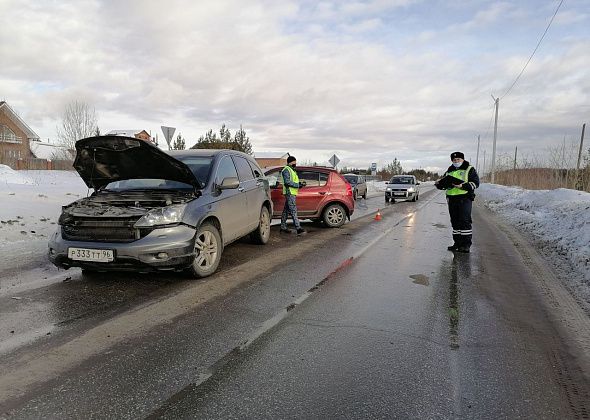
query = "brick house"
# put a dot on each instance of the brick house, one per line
(15, 136)
(268, 159)
(138, 134)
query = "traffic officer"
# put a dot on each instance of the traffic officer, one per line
(291, 187)
(460, 198)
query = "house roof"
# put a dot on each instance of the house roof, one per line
(271, 155)
(49, 151)
(127, 133)
(18, 120)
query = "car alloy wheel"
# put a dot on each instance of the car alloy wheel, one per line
(334, 215)
(207, 251)
(262, 232)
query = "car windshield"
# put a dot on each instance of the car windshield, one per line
(147, 184)
(351, 178)
(200, 166)
(401, 180)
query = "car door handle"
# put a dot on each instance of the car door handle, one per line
(322, 193)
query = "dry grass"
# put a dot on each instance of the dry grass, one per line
(543, 178)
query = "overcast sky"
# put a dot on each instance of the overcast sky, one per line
(367, 80)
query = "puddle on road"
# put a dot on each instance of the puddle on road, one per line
(439, 225)
(420, 279)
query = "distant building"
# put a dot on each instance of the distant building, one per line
(138, 134)
(268, 159)
(15, 135)
(49, 151)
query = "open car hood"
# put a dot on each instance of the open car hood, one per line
(104, 159)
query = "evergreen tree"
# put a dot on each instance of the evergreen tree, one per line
(179, 143)
(242, 141)
(210, 141)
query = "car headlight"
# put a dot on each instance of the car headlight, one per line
(388, 189)
(411, 189)
(161, 216)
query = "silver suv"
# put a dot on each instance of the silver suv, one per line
(155, 210)
(358, 184)
(402, 187)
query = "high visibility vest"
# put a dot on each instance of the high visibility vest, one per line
(294, 178)
(462, 174)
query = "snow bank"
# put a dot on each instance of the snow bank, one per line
(10, 176)
(559, 219)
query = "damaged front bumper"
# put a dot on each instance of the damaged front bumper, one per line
(169, 248)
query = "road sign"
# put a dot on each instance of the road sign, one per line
(374, 168)
(168, 133)
(334, 160)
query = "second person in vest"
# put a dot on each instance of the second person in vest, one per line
(460, 198)
(291, 187)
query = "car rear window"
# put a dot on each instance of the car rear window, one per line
(313, 178)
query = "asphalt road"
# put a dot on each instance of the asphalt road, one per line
(372, 320)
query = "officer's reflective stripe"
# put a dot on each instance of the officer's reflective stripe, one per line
(465, 232)
(472, 185)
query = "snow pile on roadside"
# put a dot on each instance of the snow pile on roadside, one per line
(376, 186)
(10, 176)
(558, 219)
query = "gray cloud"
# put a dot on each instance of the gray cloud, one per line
(310, 79)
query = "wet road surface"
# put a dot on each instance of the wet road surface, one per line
(376, 319)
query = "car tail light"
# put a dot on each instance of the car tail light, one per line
(348, 190)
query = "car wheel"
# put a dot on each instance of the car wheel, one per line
(415, 198)
(208, 248)
(334, 215)
(262, 233)
(387, 199)
(354, 195)
(365, 195)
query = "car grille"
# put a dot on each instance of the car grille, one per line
(103, 231)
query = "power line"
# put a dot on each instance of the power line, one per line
(534, 51)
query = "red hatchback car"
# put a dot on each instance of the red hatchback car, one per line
(326, 197)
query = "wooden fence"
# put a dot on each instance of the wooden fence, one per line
(37, 164)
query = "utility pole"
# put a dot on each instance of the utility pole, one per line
(477, 158)
(580, 154)
(484, 163)
(515, 152)
(497, 102)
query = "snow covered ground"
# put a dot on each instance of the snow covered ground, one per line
(557, 222)
(30, 205)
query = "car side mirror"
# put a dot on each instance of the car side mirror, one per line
(229, 183)
(417, 183)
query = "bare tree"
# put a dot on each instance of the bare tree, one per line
(78, 121)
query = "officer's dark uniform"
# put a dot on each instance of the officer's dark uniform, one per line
(460, 201)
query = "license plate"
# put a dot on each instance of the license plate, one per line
(94, 255)
(400, 194)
